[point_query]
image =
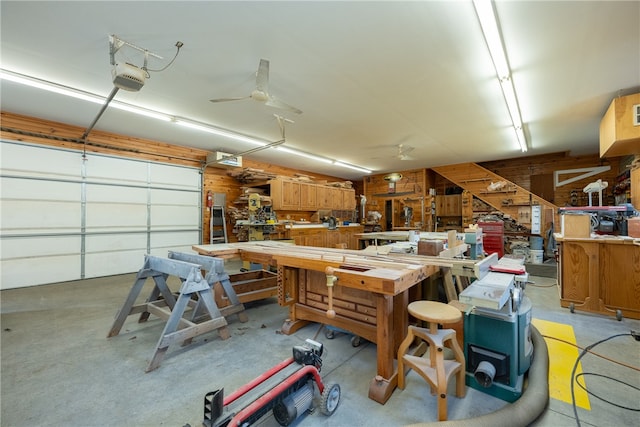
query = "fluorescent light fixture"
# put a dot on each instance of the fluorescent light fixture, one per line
(306, 155)
(512, 102)
(217, 131)
(491, 31)
(322, 159)
(347, 165)
(487, 17)
(192, 124)
(521, 138)
(141, 111)
(50, 87)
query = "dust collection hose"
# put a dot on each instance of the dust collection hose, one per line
(527, 408)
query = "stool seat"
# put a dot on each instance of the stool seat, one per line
(433, 311)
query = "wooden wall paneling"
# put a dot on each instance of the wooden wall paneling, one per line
(520, 170)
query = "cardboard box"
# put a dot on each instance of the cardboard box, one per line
(576, 225)
(633, 227)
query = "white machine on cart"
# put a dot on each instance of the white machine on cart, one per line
(497, 338)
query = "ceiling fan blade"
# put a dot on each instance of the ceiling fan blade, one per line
(262, 76)
(403, 149)
(405, 157)
(229, 99)
(274, 102)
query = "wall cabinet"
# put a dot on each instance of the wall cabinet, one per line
(450, 205)
(289, 195)
(308, 197)
(285, 195)
(449, 212)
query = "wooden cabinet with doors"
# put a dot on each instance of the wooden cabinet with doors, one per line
(309, 236)
(449, 212)
(291, 195)
(599, 275)
(285, 195)
(308, 196)
(323, 237)
(348, 199)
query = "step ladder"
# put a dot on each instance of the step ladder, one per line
(218, 222)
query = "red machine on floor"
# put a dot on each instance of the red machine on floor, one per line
(287, 389)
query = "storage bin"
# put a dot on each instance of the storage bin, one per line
(535, 243)
(536, 256)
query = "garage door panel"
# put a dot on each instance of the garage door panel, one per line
(23, 272)
(174, 197)
(168, 240)
(37, 216)
(172, 177)
(116, 194)
(115, 170)
(40, 246)
(29, 189)
(111, 263)
(27, 160)
(115, 217)
(173, 216)
(116, 242)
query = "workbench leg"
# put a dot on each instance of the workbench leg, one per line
(386, 380)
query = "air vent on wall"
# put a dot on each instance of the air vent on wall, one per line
(219, 159)
(636, 115)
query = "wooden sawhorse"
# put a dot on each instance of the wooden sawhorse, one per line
(205, 315)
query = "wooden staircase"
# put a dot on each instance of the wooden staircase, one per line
(508, 199)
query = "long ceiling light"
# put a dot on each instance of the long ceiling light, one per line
(489, 23)
(323, 159)
(192, 124)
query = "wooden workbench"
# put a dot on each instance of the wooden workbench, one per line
(600, 274)
(370, 295)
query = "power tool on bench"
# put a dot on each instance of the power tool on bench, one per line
(286, 389)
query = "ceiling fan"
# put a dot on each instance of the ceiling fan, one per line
(403, 150)
(261, 92)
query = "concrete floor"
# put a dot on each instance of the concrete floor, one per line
(59, 369)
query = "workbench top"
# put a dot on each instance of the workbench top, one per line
(599, 238)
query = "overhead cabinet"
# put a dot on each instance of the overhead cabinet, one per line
(289, 195)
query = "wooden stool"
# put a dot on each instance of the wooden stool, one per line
(435, 370)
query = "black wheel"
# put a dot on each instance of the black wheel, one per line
(329, 334)
(330, 399)
(619, 315)
(356, 341)
(572, 307)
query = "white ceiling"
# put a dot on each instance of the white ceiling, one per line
(367, 75)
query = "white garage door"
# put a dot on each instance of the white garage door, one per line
(65, 217)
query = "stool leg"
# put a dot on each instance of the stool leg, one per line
(401, 352)
(442, 383)
(460, 375)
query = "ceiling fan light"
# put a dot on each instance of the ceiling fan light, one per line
(393, 177)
